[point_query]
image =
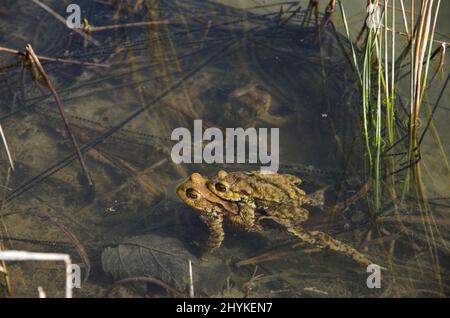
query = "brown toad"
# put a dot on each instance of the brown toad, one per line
(276, 197)
(212, 209)
(244, 105)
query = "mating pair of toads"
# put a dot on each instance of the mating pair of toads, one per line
(243, 199)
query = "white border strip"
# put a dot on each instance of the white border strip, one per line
(30, 256)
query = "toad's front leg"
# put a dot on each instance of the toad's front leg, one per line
(216, 233)
(245, 219)
(324, 241)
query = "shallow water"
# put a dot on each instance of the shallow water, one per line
(162, 77)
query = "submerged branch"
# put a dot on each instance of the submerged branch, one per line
(38, 70)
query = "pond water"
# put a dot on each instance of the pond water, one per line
(230, 64)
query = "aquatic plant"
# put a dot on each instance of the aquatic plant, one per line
(387, 60)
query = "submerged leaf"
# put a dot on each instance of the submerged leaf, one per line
(166, 259)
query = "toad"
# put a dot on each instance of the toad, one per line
(244, 105)
(277, 197)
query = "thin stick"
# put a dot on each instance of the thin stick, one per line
(89, 29)
(329, 10)
(405, 23)
(8, 153)
(41, 292)
(273, 255)
(4, 270)
(75, 241)
(273, 5)
(191, 281)
(61, 19)
(54, 59)
(35, 62)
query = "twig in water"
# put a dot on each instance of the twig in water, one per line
(329, 10)
(274, 255)
(53, 59)
(76, 242)
(311, 5)
(8, 153)
(191, 281)
(61, 19)
(434, 110)
(143, 182)
(88, 29)
(4, 270)
(251, 284)
(41, 292)
(39, 71)
(440, 68)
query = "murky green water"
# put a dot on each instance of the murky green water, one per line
(148, 81)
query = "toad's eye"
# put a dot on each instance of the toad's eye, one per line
(221, 187)
(191, 193)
